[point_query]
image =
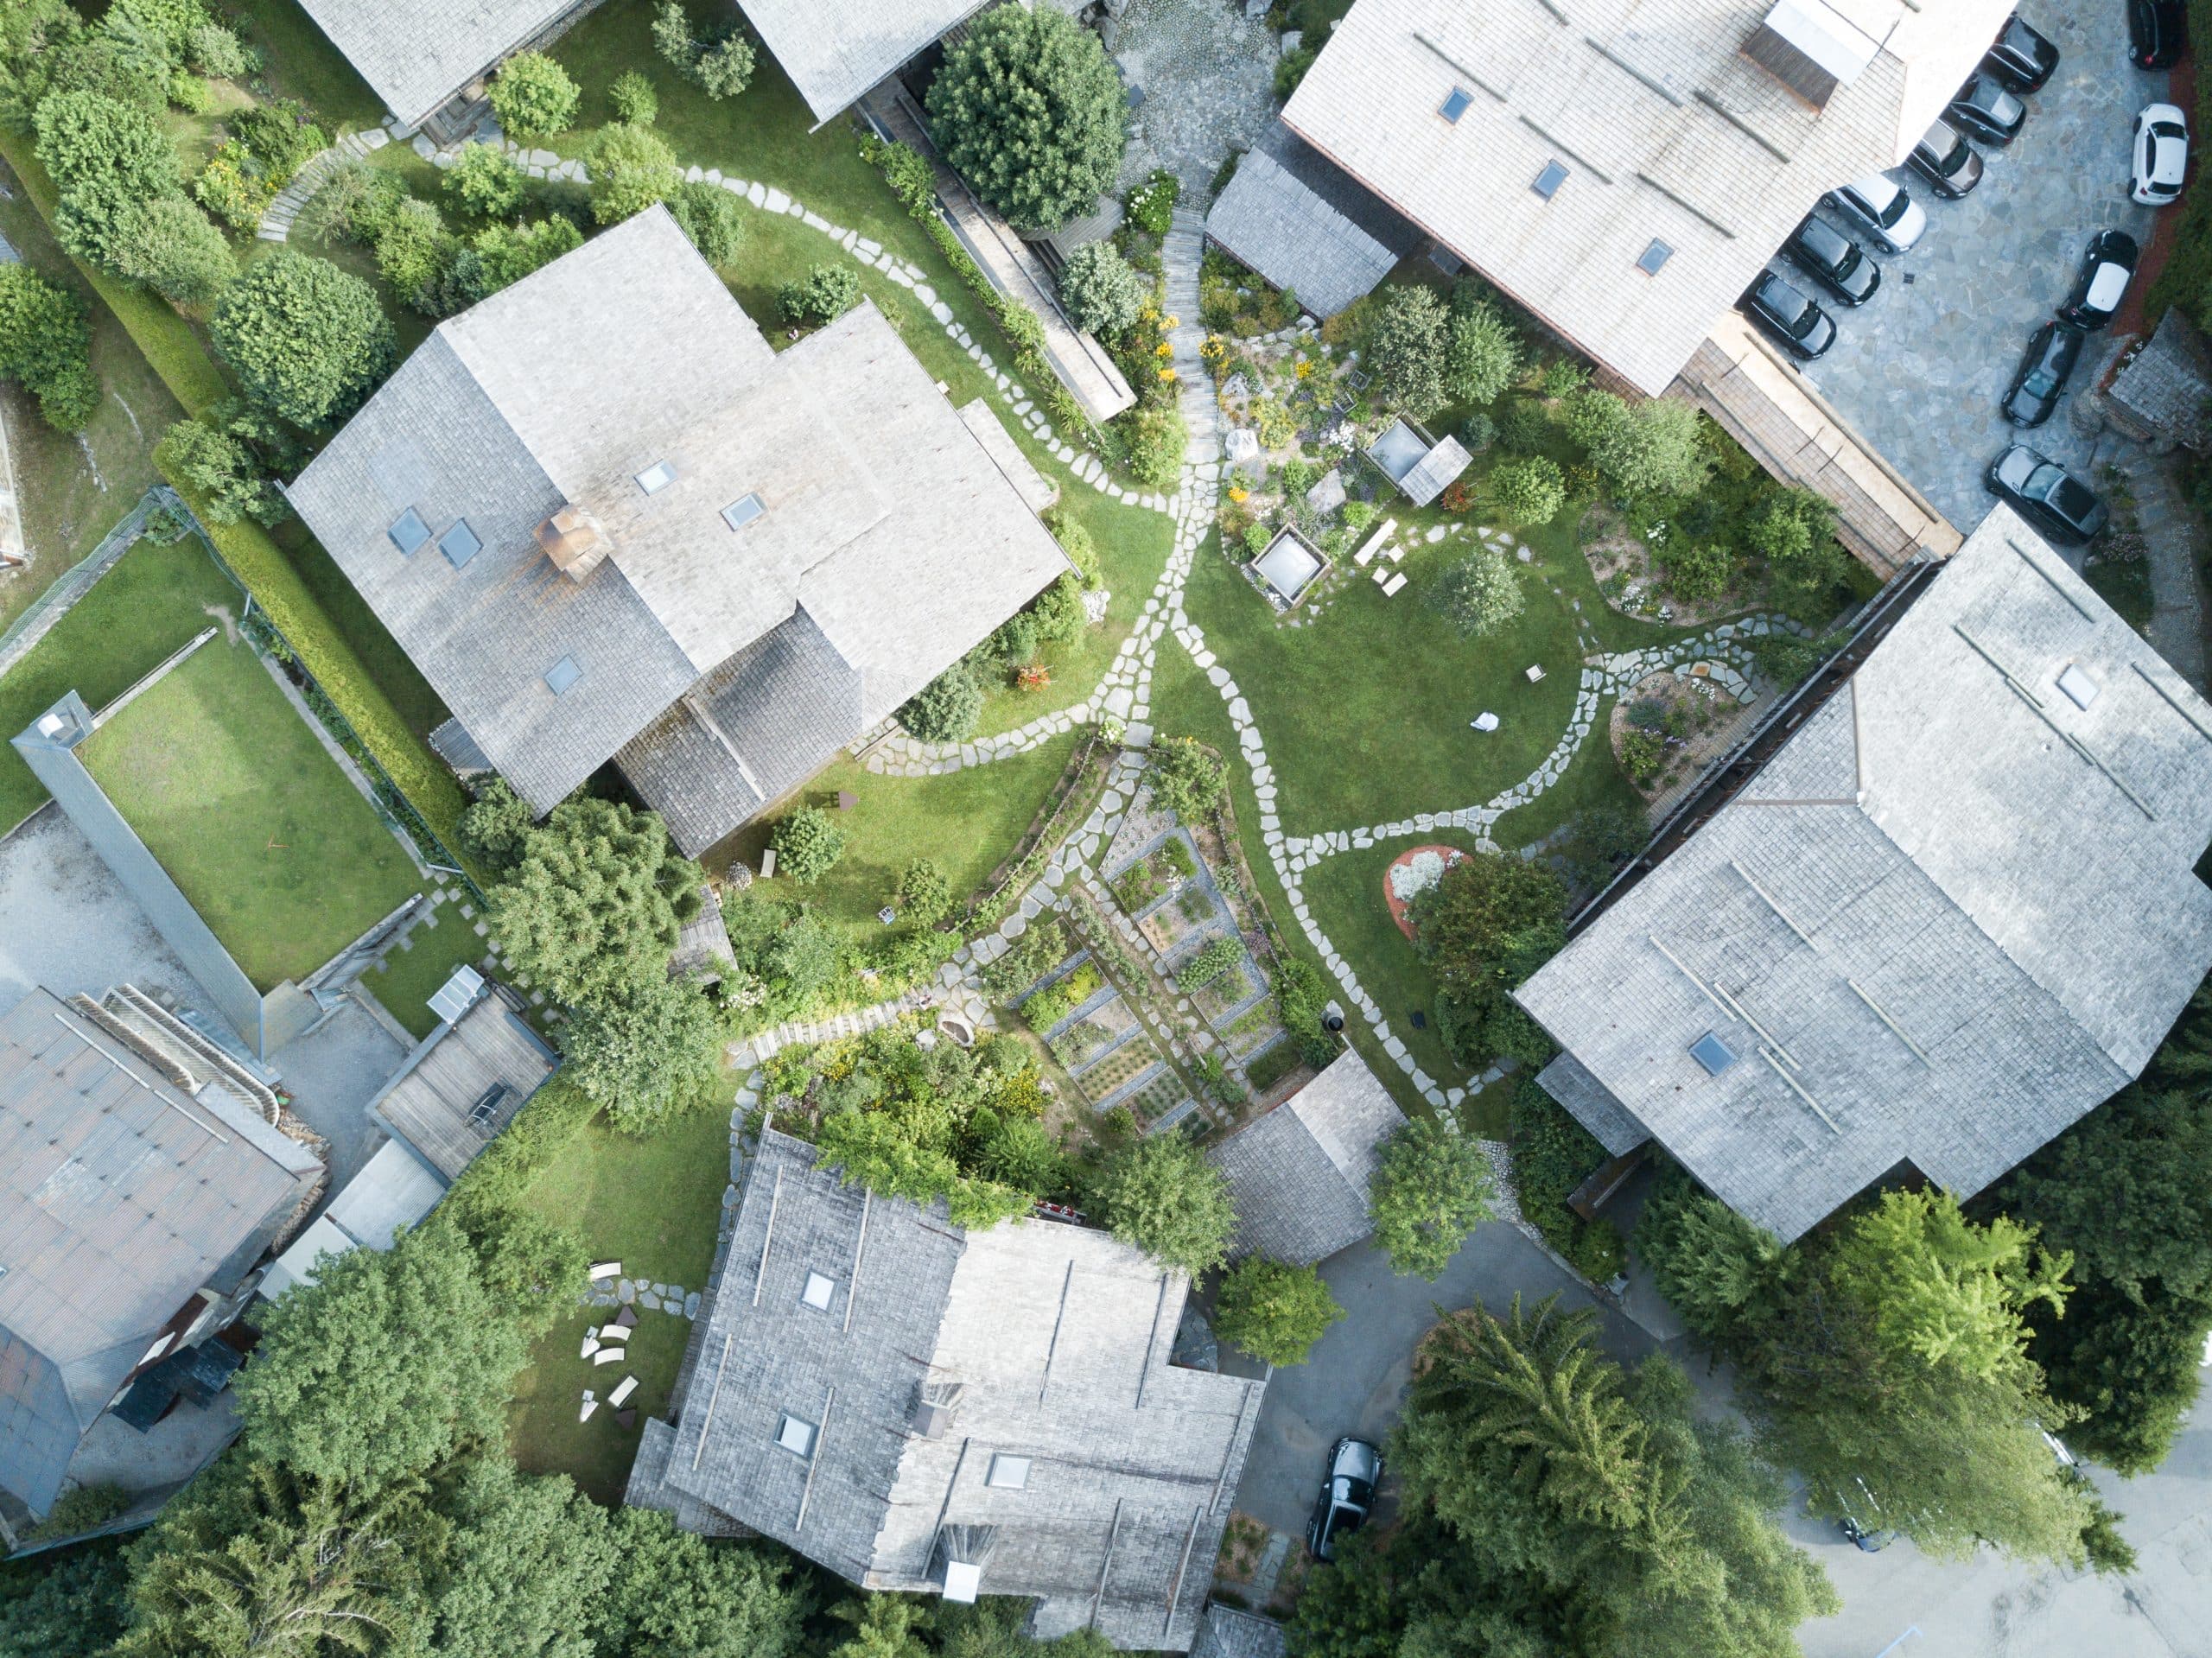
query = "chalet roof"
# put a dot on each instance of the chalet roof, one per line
(417, 54)
(1955, 910)
(1299, 1175)
(432, 1101)
(1295, 217)
(1668, 129)
(1228, 1633)
(120, 1198)
(1041, 1342)
(2168, 383)
(834, 53)
(882, 515)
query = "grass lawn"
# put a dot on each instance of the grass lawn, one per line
(235, 796)
(150, 604)
(412, 974)
(543, 1431)
(652, 1203)
(72, 487)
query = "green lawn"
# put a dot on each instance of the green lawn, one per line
(150, 604)
(235, 796)
(651, 1204)
(543, 1431)
(411, 975)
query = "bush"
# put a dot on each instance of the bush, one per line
(1654, 448)
(908, 172)
(45, 344)
(224, 471)
(486, 180)
(1643, 756)
(944, 710)
(1159, 1194)
(632, 168)
(633, 101)
(354, 204)
(413, 248)
(174, 248)
(232, 187)
(1600, 839)
(709, 215)
(1102, 290)
(507, 253)
(644, 1053)
(1482, 350)
(925, 895)
(1030, 112)
(107, 159)
(1524, 428)
(1057, 613)
(808, 844)
(725, 68)
(1405, 350)
(190, 93)
(534, 97)
(1477, 432)
(308, 340)
(1075, 542)
(133, 70)
(1290, 69)
(1552, 1155)
(1698, 570)
(214, 50)
(1479, 591)
(1155, 437)
(1531, 490)
(1217, 956)
(1187, 779)
(280, 135)
(1151, 205)
(824, 295)
(1274, 1310)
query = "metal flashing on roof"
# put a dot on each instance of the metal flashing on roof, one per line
(1550, 180)
(656, 477)
(407, 531)
(1654, 257)
(562, 675)
(1713, 1053)
(1455, 105)
(742, 511)
(459, 543)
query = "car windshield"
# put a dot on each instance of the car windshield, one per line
(2042, 382)
(2070, 499)
(1890, 211)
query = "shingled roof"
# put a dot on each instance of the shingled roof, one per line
(886, 543)
(1300, 1174)
(1301, 221)
(418, 53)
(1955, 911)
(1000, 1399)
(120, 1198)
(835, 53)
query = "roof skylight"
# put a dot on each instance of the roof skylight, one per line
(1550, 180)
(1655, 256)
(818, 1290)
(562, 675)
(408, 531)
(794, 1434)
(742, 511)
(2081, 690)
(1454, 105)
(656, 477)
(459, 543)
(1008, 1473)
(1713, 1053)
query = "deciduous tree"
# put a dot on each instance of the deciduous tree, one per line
(534, 96)
(595, 902)
(1274, 1310)
(1431, 1186)
(308, 340)
(1405, 350)
(1162, 1195)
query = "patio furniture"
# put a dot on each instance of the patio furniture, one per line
(591, 1345)
(1484, 722)
(1536, 672)
(589, 1405)
(1361, 557)
(607, 1355)
(768, 863)
(629, 1386)
(846, 800)
(605, 1269)
(1391, 588)
(1375, 543)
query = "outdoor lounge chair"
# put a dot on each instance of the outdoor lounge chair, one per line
(629, 1386)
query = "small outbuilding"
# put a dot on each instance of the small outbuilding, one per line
(1421, 467)
(1299, 1175)
(465, 1081)
(1290, 566)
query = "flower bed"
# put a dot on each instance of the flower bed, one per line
(1048, 1007)
(1157, 873)
(1171, 923)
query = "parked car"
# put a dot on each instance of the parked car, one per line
(2107, 267)
(1947, 160)
(1883, 210)
(1834, 260)
(1793, 320)
(2161, 155)
(2040, 380)
(2048, 496)
(1984, 108)
(1347, 1495)
(2157, 32)
(2022, 59)
(1873, 1542)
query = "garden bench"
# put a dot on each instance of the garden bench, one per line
(607, 1355)
(605, 1270)
(1391, 588)
(629, 1386)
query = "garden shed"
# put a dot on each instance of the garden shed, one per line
(1420, 466)
(1299, 1175)
(1306, 225)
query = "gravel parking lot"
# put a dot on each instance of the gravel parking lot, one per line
(1919, 369)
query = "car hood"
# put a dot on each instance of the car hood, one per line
(1355, 1459)
(2015, 466)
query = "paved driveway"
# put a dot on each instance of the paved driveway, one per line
(1919, 369)
(1355, 1382)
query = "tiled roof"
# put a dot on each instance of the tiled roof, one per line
(835, 53)
(417, 54)
(1299, 1175)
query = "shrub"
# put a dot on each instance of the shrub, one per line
(808, 844)
(1482, 350)
(1274, 1310)
(169, 23)
(1187, 779)
(944, 710)
(1654, 449)
(925, 895)
(233, 187)
(354, 204)
(1014, 643)
(224, 472)
(1405, 350)
(1562, 378)
(633, 101)
(106, 158)
(509, 252)
(644, 1052)
(1600, 839)
(534, 97)
(1075, 542)
(1162, 1195)
(1152, 204)
(486, 180)
(132, 68)
(632, 168)
(190, 93)
(45, 344)
(1788, 660)
(1477, 432)
(1524, 428)
(1219, 956)
(1698, 570)
(1531, 490)
(1028, 958)
(824, 295)
(1643, 756)
(725, 68)
(1155, 437)
(1030, 112)
(1479, 591)
(1290, 69)
(1552, 1155)
(412, 248)
(1057, 613)
(214, 50)
(910, 175)
(308, 340)
(280, 136)
(1102, 292)
(709, 215)
(174, 248)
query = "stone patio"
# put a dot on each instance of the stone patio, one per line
(1207, 78)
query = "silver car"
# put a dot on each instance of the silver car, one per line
(1881, 207)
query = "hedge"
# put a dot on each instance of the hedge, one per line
(502, 1174)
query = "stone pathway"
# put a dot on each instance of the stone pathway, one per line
(313, 173)
(2169, 548)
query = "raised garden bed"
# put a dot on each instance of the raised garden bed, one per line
(1264, 1070)
(1158, 1097)
(1171, 923)
(1091, 1035)
(1046, 1008)
(1225, 992)
(1251, 1030)
(1144, 882)
(1124, 1064)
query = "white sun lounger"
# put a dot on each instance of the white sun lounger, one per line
(590, 1347)
(605, 1269)
(607, 1355)
(629, 1386)
(1391, 588)
(589, 1405)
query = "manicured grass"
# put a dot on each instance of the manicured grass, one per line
(543, 1431)
(965, 822)
(651, 1204)
(150, 604)
(232, 791)
(411, 975)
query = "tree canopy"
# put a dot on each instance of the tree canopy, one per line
(1162, 1195)
(308, 340)
(1405, 350)
(1274, 1310)
(1491, 921)
(1431, 1186)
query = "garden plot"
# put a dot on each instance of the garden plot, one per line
(1168, 927)
(1156, 875)
(1124, 1065)
(1225, 994)
(1054, 1000)
(1087, 1037)
(1162, 1096)
(1250, 1031)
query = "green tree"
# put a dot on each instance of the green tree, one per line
(486, 180)
(724, 68)
(883, 1626)
(1656, 447)
(944, 710)
(222, 472)
(1405, 350)
(534, 97)
(1162, 1195)
(1187, 779)
(1491, 921)
(643, 1051)
(32, 35)
(107, 159)
(1103, 292)
(1724, 1275)
(1030, 112)
(1482, 350)
(306, 340)
(215, 51)
(1431, 1186)
(595, 902)
(925, 895)
(824, 295)
(174, 248)
(674, 1593)
(632, 98)
(709, 215)
(632, 168)
(526, 1555)
(69, 1603)
(384, 1365)
(509, 252)
(1600, 839)
(1274, 1310)
(1528, 490)
(45, 344)
(808, 844)
(1479, 591)
(496, 825)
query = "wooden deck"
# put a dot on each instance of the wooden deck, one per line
(428, 1103)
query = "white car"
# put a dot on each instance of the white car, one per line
(2161, 155)
(1882, 208)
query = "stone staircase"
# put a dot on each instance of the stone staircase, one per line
(313, 173)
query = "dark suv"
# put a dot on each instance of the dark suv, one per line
(2048, 497)
(1834, 260)
(2023, 58)
(2157, 32)
(1796, 323)
(1347, 1495)
(1947, 160)
(2045, 368)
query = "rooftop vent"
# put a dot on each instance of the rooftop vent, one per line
(408, 531)
(1454, 105)
(562, 675)
(1811, 49)
(1550, 180)
(2081, 690)
(459, 543)
(572, 539)
(794, 1434)
(656, 477)
(742, 511)
(819, 1291)
(1008, 1473)
(933, 1410)
(1654, 257)
(1713, 1053)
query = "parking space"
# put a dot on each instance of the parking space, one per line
(1919, 369)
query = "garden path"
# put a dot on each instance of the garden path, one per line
(314, 173)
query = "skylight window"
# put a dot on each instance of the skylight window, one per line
(562, 675)
(1550, 180)
(794, 1434)
(2081, 690)
(1655, 256)
(407, 531)
(656, 477)
(818, 1291)
(1713, 1053)
(742, 511)
(1008, 1473)
(1454, 105)
(459, 543)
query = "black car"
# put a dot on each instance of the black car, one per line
(1796, 323)
(2022, 59)
(2157, 32)
(2048, 496)
(2106, 269)
(1947, 160)
(1347, 1495)
(1984, 108)
(2040, 380)
(1834, 260)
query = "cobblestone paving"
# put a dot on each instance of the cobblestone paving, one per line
(1207, 73)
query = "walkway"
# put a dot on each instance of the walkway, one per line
(2169, 548)
(313, 173)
